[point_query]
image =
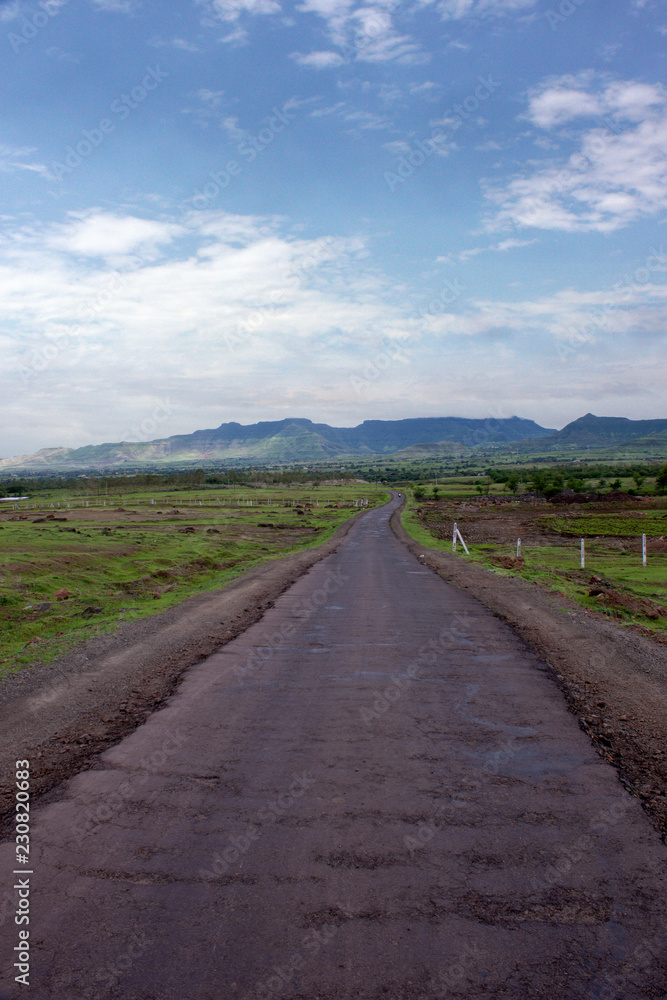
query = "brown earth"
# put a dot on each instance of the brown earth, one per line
(614, 680)
(64, 714)
(503, 519)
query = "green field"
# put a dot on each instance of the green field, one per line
(145, 553)
(651, 523)
(617, 567)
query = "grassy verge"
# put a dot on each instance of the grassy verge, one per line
(118, 564)
(651, 523)
(628, 592)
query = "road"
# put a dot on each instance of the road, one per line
(374, 792)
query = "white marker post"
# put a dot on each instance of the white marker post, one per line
(583, 555)
(643, 550)
(462, 542)
(454, 534)
(518, 548)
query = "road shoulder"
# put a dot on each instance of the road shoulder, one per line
(614, 680)
(63, 715)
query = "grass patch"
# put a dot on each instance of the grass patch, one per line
(653, 523)
(557, 567)
(118, 565)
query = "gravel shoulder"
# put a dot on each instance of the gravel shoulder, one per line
(614, 680)
(64, 714)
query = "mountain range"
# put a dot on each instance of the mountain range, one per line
(300, 440)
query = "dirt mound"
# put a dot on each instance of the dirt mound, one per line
(634, 605)
(509, 562)
(569, 496)
(618, 496)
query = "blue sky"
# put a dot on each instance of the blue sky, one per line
(251, 209)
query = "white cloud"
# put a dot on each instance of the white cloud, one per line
(617, 176)
(101, 234)
(567, 317)
(558, 105)
(398, 147)
(231, 10)
(9, 11)
(456, 10)
(117, 6)
(563, 100)
(365, 33)
(212, 98)
(230, 316)
(237, 37)
(318, 60)
(18, 8)
(502, 247)
(157, 42)
(15, 158)
(366, 120)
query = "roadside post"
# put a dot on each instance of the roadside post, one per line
(643, 550)
(457, 534)
(583, 555)
(518, 548)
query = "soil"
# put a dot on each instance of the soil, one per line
(62, 715)
(502, 519)
(614, 678)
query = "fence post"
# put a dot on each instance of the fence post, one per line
(518, 548)
(583, 555)
(643, 550)
(460, 537)
(454, 533)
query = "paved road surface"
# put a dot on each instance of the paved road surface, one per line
(375, 792)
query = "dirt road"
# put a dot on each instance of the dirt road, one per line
(376, 791)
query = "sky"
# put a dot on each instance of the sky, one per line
(247, 210)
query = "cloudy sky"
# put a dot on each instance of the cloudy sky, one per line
(245, 210)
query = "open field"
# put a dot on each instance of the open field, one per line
(614, 582)
(149, 551)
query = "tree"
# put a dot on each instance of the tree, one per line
(419, 492)
(639, 479)
(661, 480)
(512, 483)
